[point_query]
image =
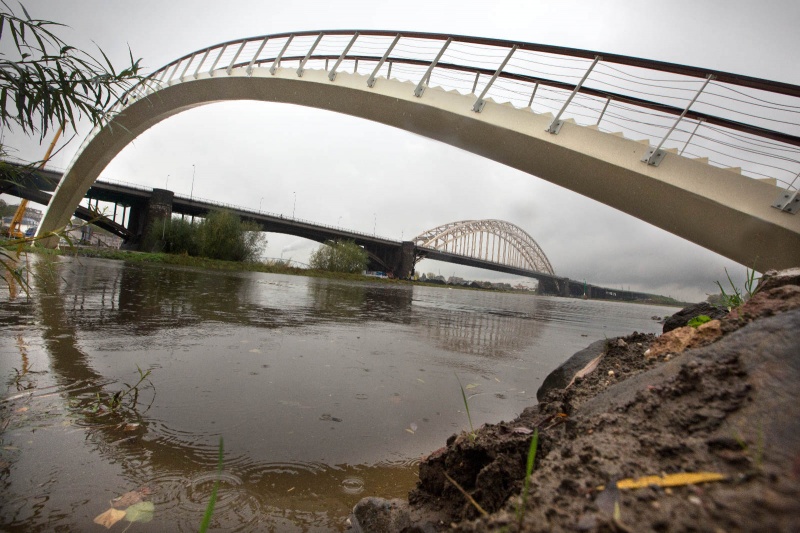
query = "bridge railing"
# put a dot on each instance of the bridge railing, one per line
(240, 209)
(728, 120)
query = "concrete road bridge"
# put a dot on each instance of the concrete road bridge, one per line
(710, 156)
(489, 244)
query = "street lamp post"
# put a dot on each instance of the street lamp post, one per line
(191, 192)
(166, 186)
(259, 205)
(374, 224)
(294, 206)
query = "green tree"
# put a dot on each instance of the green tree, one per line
(339, 256)
(223, 235)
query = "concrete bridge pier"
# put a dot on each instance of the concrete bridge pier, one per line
(404, 268)
(156, 214)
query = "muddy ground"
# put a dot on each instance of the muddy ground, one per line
(724, 399)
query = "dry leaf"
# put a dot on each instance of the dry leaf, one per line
(109, 518)
(671, 480)
(126, 500)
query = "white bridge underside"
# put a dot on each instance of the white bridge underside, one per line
(718, 209)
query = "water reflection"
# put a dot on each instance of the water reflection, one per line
(325, 391)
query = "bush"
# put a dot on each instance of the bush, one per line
(221, 235)
(339, 256)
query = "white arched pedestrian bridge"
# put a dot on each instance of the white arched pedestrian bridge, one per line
(710, 156)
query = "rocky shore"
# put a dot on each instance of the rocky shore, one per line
(721, 400)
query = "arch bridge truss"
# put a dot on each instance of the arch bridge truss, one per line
(494, 241)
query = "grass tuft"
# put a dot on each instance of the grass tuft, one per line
(466, 406)
(528, 471)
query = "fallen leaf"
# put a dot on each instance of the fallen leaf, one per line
(140, 512)
(421, 380)
(522, 431)
(22, 409)
(126, 500)
(671, 480)
(471, 386)
(410, 431)
(109, 518)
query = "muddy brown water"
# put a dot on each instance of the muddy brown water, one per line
(323, 391)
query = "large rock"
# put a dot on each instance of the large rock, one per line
(682, 317)
(563, 375)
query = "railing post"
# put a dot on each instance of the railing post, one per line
(219, 56)
(555, 126)
(255, 57)
(475, 83)
(200, 64)
(480, 102)
(689, 140)
(183, 73)
(300, 68)
(421, 85)
(373, 77)
(789, 201)
(533, 94)
(235, 57)
(603, 112)
(656, 155)
(332, 73)
(277, 63)
(175, 69)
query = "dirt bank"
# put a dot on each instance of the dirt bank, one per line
(724, 400)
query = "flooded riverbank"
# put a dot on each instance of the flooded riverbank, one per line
(324, 391)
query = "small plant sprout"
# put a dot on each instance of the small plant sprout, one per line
(528, 471)
(204, 525)
(466, 406)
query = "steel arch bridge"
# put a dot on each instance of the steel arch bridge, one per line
(495, 241)
(710, 156)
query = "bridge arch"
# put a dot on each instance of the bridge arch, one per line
(728, 213)
(488, 240)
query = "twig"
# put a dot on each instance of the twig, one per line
(467, 496)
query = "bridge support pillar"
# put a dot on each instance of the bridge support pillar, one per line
(404, 268)
(158, 214)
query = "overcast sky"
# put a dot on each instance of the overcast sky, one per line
(361, 175)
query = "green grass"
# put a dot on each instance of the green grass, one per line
(466, 406)
(213, 500)
(736, 298)
(528, 471)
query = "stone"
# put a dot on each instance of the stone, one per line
(681, 339)
(682, 317)
(774, 278)
(768, 302)
(563, 375)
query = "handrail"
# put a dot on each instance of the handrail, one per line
(739, 121)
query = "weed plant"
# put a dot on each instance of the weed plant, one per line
(736, 298)
(466, 406)
(528, 471)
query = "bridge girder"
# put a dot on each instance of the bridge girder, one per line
(489, 240)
